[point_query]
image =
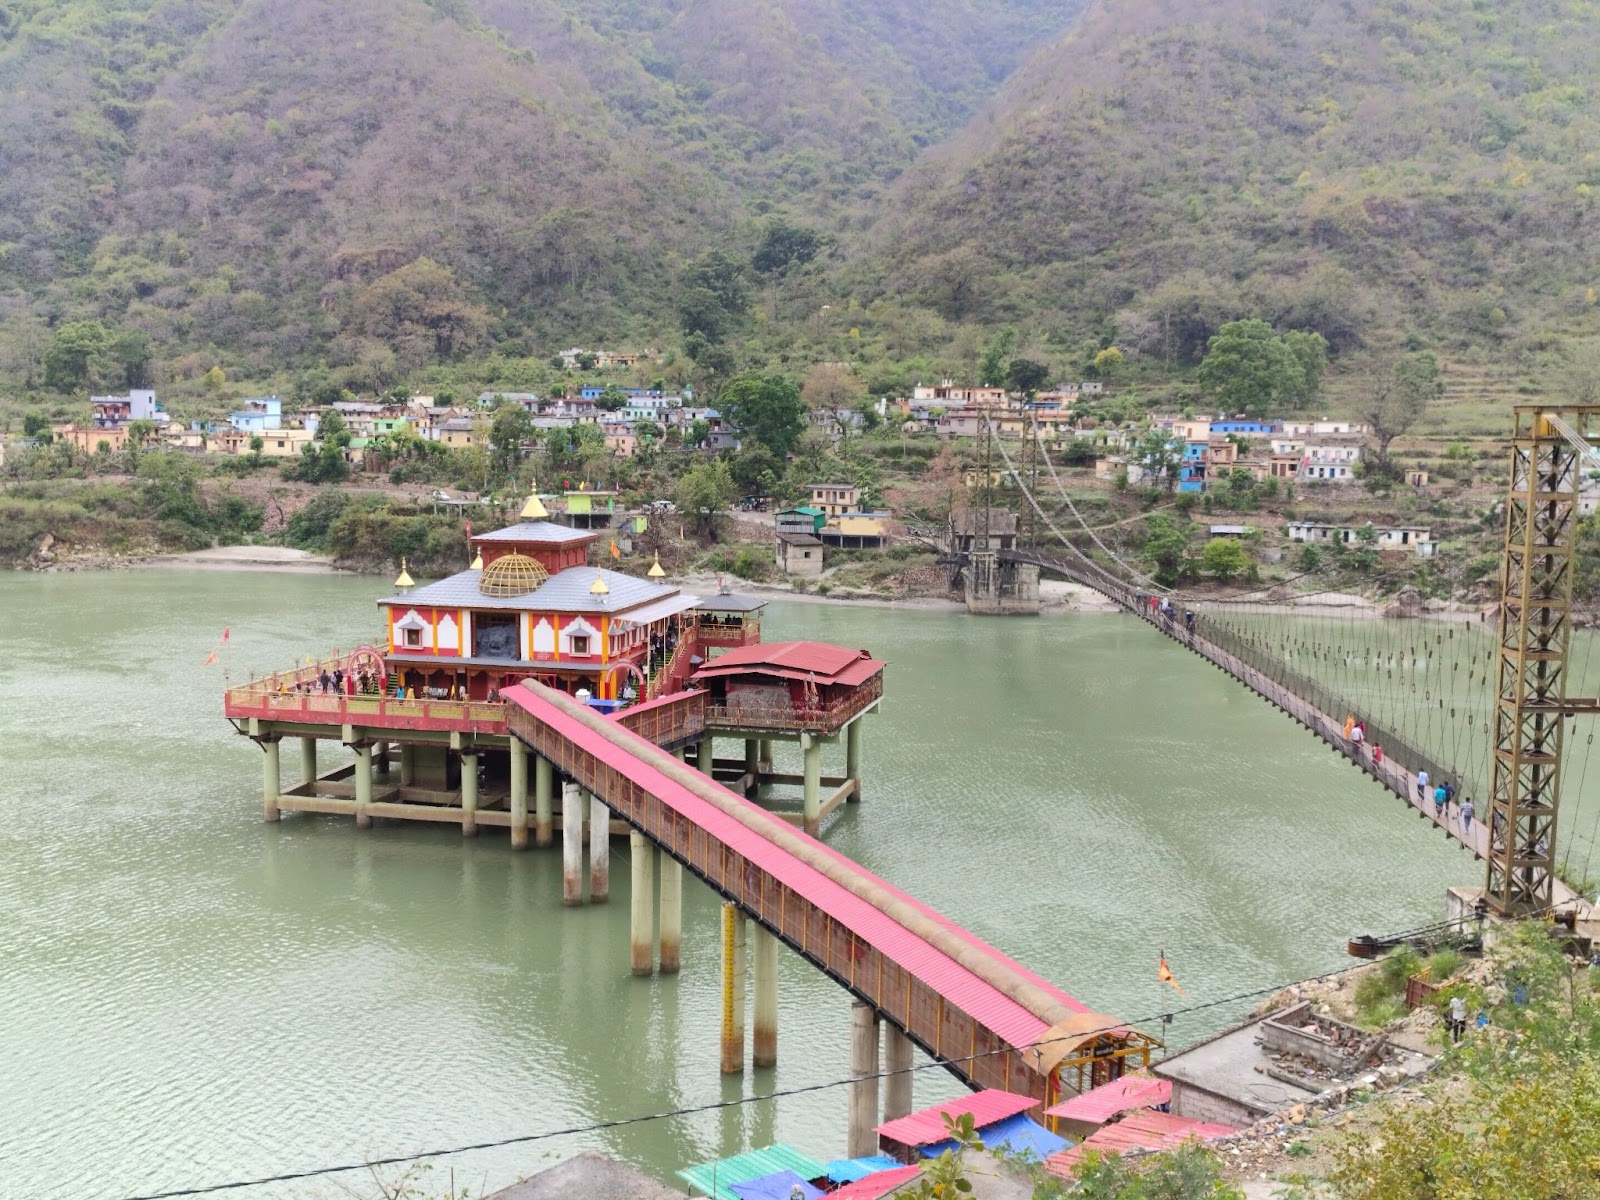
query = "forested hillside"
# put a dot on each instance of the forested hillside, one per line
(1365, 168)
(385, 183)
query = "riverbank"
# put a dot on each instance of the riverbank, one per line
(245, 558)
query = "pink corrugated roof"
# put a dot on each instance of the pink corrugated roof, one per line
(926, 1126)
(876, 1185)
(1138, 1131)
(820, 661)
(991, 1007)
(1100, 1104)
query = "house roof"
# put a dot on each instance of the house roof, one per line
(926, 1126)
(566, 591)
(1138, 1131)
(1099, 1105)
(537, 533)
(876, 1185)
(717, 1177)
(798, 539)
(818, 662)
(731, 604)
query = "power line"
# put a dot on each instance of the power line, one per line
(1164, 1017)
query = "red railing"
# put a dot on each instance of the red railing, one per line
(680, 717)
(811, 717)
(277, 698)
(712, 632)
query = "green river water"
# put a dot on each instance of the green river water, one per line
(190, 996)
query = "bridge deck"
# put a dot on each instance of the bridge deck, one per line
(959, 998)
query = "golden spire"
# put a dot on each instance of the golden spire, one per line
(534, 509)
(598, 587)
(404, 581)
(655, 571)
(477, 561)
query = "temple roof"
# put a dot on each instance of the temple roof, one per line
(537, 533)
(567, 591)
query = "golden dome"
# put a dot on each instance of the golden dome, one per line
(512, 575)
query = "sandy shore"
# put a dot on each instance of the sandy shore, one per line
(244, 558)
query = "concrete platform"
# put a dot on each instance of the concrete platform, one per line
(588, 1176)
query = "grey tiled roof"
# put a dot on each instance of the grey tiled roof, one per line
(538, 532)
(565, 592)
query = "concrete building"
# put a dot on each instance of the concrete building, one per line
(457, 433)
(1325, 428)
(139, 404)
(951, 394)
(835, 498)
(802, 520)
(800, 554)
(275, 443)
(257, 414)
(857, 531)
(89, 439)
(1399, 537)
(1335, 460)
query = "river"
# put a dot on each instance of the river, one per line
(192, 996)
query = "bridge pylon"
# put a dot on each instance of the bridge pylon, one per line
(1531, 706)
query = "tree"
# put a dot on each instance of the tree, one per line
(75, 357)
(1225, 559)
(783, 246)
(767, 408)
(510, 428)
(1393, 392)
(257, 444)
(703, 491)
(713, 296)
(755, 469)
(35, 425)
(996, 357)
(830, 390)
(332, 429)
(141, 433)
(613, 399)
(1026, 376)
(1166, 544)
(420, 312)
(1159, 453)
(1250, 369)
(1107, 363)
(699, 430)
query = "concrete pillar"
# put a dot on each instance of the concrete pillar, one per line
(271, 782)
(671, 914)
(408, 763)
(519, 795)
(641, 929)
(861, 1141)
(813, 782)
(571, 844)
(764, 963)
(544, 821)
(381, 756)
(703, 754)
(469, 795)
(363, 786)
(308, 760)
(599, 851)
(852, 757)
(752, 764)
(732, 990)
(897, 1068)
(764, 754)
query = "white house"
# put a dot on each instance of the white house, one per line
(1398, 537)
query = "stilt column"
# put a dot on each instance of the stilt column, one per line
(764, 754)
(732, 990)
(671, 914)
(381, 756)
(752, 765)
(519, 795)
(599, 851)
(764, 956)
(544, 822)
(408, 763)
(860, 1141)
(897, 1068)
(813, 782)
(308, 760)
(271, 780)
(571, 844)
(852, 757)
(363, 787)
(642, 934)
(703, 754)
(469, 795)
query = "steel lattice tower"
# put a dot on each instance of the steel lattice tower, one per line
(1535, 629)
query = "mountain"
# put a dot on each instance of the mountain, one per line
(268, 182)
(1368, 168)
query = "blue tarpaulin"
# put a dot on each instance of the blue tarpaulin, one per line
(1018, 1135)
(779, 1186)
(848, 1170)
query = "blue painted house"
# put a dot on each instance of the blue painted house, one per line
(1245, 427)
(258, 414)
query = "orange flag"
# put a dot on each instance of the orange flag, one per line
(210, 658)
(615, 553)
(1165, 975)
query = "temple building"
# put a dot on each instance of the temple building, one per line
(531, 606)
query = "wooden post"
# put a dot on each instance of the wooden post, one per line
(469, 795)
(897, 1066)
(860, 1141)
(308, 760)
(852, 758)
(671, 914)
(364, 786)
(764, 961)
(571, 845)
(732, 990)
(544, 821)
(641, 930)
(271, 782)
(599, 851)
(519, 795)
(813, 782)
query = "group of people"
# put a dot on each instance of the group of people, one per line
(1441, 793)
(1162, 607)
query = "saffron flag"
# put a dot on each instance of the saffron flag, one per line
(224, 635)
(469, 529)
(1165, 975)
(615, 553)
(210, 658)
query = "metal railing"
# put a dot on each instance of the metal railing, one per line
(810, 717)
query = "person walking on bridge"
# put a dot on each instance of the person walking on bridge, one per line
(1349, 725)
(1422, 784)
(1466, 815)
(1188, 620)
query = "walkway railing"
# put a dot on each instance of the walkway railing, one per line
(814, 718)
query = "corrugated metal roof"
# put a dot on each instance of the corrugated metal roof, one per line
(1018, 1137)
(876, 1185)
(820, 661)
(721, 603)
(566, 591)
(1099, 1105)
(537, 533)
(848, 1170)
(1138, 1131)
(987, 1004)
(716, 1177)
(926, 1126)
(658, 610)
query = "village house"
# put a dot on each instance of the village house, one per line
(275, 443)
(834, 498)
(1410, 537)
(951, 394)
(257, 414)
(139, 404)
(528, 400)
(457, 433)
(1330, 460)
(1324, 428)
(87, 439)
(620, 438)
